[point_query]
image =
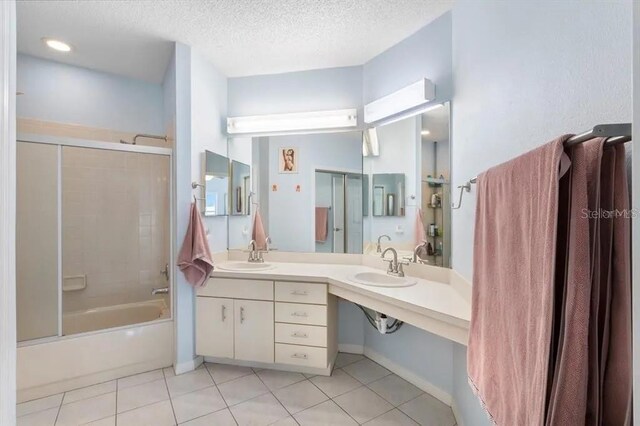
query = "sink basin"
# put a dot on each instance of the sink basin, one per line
(244, 266)
(382, 280)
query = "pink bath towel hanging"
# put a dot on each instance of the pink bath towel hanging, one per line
(513, 285)
(194, 259)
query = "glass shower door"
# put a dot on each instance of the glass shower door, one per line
(37, 298)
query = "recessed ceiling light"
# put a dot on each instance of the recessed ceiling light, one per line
(58, 45)
(425, 133)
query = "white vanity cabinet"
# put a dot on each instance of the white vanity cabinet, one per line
(275, 324)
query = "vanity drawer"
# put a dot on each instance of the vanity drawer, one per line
(301, 355)
(296, 334)
(298, 313)
(237, 289)
(301, 292)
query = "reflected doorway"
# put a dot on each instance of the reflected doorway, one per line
(338, 212)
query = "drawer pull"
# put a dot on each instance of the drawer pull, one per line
(301, 335)
(299, 293)
(299, 314)
(299, 356)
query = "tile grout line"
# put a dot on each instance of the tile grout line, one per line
(169, 395)
(221, 395)
(331, 399)
(59, 408)
(275, 397)
(117, 393)
(407, 414)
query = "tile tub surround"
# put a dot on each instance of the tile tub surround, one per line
(115, 225)
(218, 394)
(433, 304)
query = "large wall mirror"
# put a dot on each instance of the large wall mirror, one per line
(337, 193)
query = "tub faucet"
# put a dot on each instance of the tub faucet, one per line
(378, 246)
(395, 267)
(161, 290)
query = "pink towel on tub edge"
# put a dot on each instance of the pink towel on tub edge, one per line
(194, 259)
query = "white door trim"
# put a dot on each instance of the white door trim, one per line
(8, 214)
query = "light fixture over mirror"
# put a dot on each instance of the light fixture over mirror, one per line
(293, 122)
(405, 99)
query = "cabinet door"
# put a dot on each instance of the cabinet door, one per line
(254, 330)
(214, 327)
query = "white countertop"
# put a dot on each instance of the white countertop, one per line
(435, 300)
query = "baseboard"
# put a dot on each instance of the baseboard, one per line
(351, 349)
(409, 376)
(185, 367)
(456, 413)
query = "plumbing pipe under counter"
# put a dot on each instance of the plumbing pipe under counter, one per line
(434, 306)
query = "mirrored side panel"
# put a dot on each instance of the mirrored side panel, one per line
(216, 177)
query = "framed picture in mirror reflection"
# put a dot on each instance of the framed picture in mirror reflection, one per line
(289, 158)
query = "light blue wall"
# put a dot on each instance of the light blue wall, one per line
(290, 227)
(316, 90)
(427, 53)
(517, 86)
(208, 127)
(184, 295)
(201, 97)
(470, 412)
(426, 355)
(73, 95)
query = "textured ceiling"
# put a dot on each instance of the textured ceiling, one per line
(241, 37)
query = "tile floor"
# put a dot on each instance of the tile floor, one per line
(359, 392)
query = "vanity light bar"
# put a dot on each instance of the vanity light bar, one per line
(317, 120)
(411, 96)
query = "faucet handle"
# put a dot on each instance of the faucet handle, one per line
(390, 262)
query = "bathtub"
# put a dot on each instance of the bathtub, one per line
(99, 345)
(113, 316)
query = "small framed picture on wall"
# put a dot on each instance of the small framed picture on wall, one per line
(288, 160)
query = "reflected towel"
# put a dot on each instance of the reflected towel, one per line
(322, 224)
(258, 233)
(513, 285)
(194, 259)
(421, 234)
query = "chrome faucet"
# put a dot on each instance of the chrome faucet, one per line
(395, 267)
(378, 246)
(415, 258)
(161, 290)
(267, 243)
(255, 255)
